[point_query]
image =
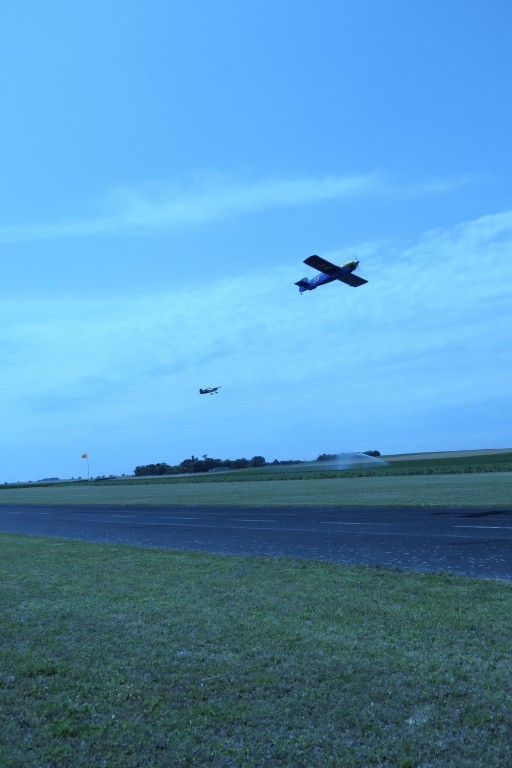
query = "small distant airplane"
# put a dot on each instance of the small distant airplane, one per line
(330, 272)
(209, 391)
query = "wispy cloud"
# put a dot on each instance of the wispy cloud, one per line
(448, 292)
(430, 331)
(167, 207)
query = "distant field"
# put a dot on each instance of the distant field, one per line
(455, 462)
(474, 459)
(457, 478)
(466, 489)
(449, 454)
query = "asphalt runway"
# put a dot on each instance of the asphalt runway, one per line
(471, 542)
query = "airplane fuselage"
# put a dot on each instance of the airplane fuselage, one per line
(322, 278)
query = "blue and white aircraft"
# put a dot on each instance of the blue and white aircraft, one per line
(209, 391)
(330, 272)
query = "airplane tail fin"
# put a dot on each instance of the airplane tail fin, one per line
(303, 284)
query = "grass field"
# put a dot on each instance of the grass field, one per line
(120, 657)
(468, 489)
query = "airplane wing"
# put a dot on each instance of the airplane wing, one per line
(354, 280)
(321, 264)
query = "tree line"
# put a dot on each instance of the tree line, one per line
(207, 464)
(194, 464)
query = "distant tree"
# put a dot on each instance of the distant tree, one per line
(205, 464)
(371, 453)
(153, 469)
(187, 465)
(239, 463)
(258, 461)
(327, 456)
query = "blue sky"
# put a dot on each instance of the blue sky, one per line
(167, 167)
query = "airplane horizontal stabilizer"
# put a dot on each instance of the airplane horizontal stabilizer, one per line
(303, 285)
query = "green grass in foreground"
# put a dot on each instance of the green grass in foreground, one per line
(416, 490)
(121, 657)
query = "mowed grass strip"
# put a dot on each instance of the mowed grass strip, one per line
(130, 657)
(416, 490)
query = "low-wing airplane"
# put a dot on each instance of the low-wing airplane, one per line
(330, 272)
(209, 391)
